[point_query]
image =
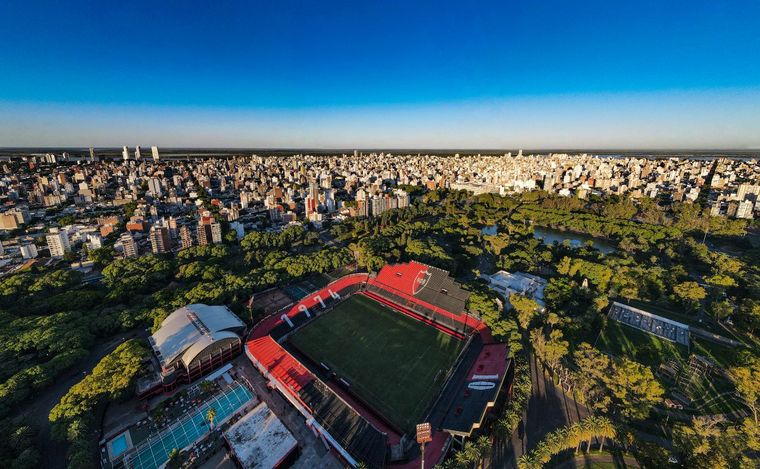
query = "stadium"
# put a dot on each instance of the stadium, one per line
(369, 356)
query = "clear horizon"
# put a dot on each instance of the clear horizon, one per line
(655, 75)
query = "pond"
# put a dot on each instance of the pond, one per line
(548, 236)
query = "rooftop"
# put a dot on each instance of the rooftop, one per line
(193, 326)
(259, 439)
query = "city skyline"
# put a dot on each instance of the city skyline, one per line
(377, 76)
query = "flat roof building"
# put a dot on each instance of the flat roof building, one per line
(259, 439)
(528, 285)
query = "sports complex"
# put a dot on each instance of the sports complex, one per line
(367, 357)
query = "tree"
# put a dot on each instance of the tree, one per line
(707, 442)
(571, 436)
(747, 381)
(71, 419)
(101, 256)
(173, 461)
(721, 309)
(689, 294)
(748, 315)
(593, 368)
(633, 388)
(525, 307)
(210, 415)
(549, 350)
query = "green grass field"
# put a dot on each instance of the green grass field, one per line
(625, 341)
(709, 395)
(394, 363)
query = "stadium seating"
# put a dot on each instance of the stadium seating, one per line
(426, 291)
(353, 432)
(276, 325)
(657, 325)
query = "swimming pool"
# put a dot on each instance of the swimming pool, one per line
(119, 445)
(155, 451)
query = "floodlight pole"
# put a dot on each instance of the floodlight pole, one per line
(423, 436)
(422, 448)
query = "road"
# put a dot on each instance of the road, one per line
(37, 408)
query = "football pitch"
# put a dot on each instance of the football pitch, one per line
(393, 362)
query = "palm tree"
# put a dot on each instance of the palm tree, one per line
(606, 430)
(211, 414)
(483, 445)
(173, 460)
(574, 436)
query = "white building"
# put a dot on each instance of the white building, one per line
(28, 251)
(154, 152)
(507, 283)
(154, 187)
(58, 242)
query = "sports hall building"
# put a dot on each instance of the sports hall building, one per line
(191, 342)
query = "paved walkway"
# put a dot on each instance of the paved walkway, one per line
(588, 460)
(549, 408)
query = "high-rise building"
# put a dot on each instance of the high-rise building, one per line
(203, 234)
(58, 242)
(154, 152)
(159, 239)
(129, 245)
(312, 199)
(137, 152)
(745, 210)
(154, 186)
(125, 153)
(216, 232)
(209, 231)
(186, 237)
(171, 223)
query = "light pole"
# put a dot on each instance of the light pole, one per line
(423, 436)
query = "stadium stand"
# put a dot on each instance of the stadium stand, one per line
(657, 325)
(342, 424)
(426, 291)
(353, 431)
(478, 391)
(280, 324)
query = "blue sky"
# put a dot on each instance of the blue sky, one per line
(391, 73)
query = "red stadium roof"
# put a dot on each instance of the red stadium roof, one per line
(280, 363)
(403, 277)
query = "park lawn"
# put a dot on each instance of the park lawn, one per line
(394, 363)
(708, 395)
(625, 341)
(713, 395)
(725, 356)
